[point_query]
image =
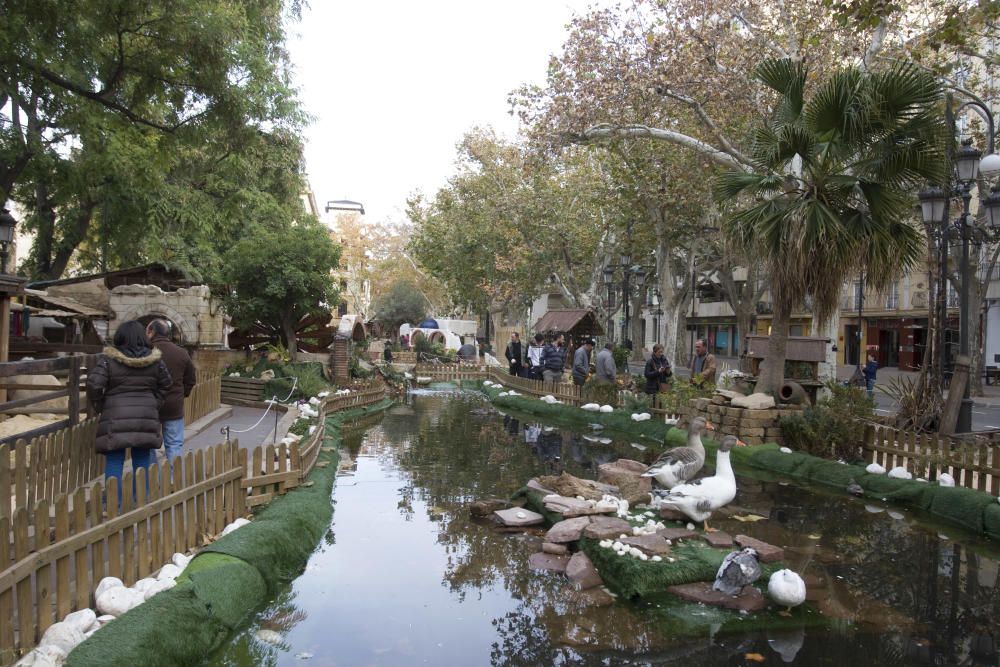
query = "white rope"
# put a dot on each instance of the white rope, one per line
(270, 403)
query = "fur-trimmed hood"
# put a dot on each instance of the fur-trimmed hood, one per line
(134, 362)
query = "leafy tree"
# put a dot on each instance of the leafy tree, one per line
(404, 302)
(831, 191)
(280, 275)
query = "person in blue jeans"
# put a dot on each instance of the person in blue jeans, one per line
(182, 372)
(871, 368)
(126, 387)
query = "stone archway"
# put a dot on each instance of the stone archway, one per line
(148, 311)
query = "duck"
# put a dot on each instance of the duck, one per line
(787, 589)
(698, 499)
(738, 570)
(681, 464)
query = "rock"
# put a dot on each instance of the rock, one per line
(568, 485)
(544, 561)
(607, 409)
(606, 527)
(107, 583)
(625, 474)
(267, 374)
(555, 549)
(592, 597)
(651, 545)
(168, 571)
(672, 514)
(572, 507)
(701, 591)
(535, 486)
(83, 620)
(105, 619)
(118, 600)
(728, 394)
(567, 530)
(516, 517)
(718, 540)
(754, 401)
(159, 587)
(180, 560)
(676, 533)
(43, 656)
(143, 584)
(63, 636)
(582, 572)
(766, 553)
(486, 507)
(239, 523)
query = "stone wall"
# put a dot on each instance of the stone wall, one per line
(753, 427)
(197, 316)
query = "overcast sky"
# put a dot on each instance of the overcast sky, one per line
(394, 85)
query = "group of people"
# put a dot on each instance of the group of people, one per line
(546, 360)
(138, 386)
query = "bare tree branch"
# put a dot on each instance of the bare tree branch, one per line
(707, 121)
(607, 131)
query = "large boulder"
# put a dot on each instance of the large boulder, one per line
(568, 530)
(42, 380)
(582, 573)
(754, 402)
(626, 474)
(606, 528)
(568, 485)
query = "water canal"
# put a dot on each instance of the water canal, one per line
(405, 576)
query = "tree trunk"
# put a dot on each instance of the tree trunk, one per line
(772, 370)
(291, 340)
(829, 329)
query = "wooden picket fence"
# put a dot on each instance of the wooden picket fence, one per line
(204, 398)
(973, 463)
(566, 392)
(50, 565)
(448, 372)
(57, 547)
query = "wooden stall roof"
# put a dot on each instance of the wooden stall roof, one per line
(165, 277)
(578, 321)
(66, 306)
(800, 348)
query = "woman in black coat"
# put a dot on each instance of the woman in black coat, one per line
(127, 387)
(657, 370)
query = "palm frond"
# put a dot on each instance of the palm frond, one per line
(788, 78)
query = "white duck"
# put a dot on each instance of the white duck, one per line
(680, 464)
(787, 589)
(698, 499)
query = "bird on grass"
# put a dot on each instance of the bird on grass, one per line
(698, 499)
(738, 569)
(681, 464)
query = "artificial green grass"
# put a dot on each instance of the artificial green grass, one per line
(228, 580)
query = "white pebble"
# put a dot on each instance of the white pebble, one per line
(108, 583)
(944, 479)
(239, 523)
(521, 515)
(168, 571)
(180, 560)
(785, 450)
(82, 620)
(690, 526)
(269, 636)
(656, 559)
(875, 469)
(143, 584)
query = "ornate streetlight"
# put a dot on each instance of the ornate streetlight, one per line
(7, 224)
(968, 167)
(631, 276)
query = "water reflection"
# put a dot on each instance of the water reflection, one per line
(414, 578)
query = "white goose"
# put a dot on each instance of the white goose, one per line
(787, 589)
(681, 464)
(698, 499)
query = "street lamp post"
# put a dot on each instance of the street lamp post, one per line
(345, 205)
(632, 276)
(968, 167)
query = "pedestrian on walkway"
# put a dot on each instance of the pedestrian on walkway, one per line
(534, 357)
(657, 371)
(554, 359)
(703, 364)
(513, 354)
(870, 370)
(581, 362)
(127, 387)
(606, 370)
(182, 374)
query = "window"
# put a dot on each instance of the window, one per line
(342, 308)
(892, 298)
(858, 296)
(952, 296)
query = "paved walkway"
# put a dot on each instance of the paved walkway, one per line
(210, 431)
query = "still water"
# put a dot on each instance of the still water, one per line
(405, 576)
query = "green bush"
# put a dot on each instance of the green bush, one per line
(834, 427)
(635, 402)
(309, 374)
(680, 392)
(600, 392)
(621, 355)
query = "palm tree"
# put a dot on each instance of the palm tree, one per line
(830, 189)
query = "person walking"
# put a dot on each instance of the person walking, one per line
(513, 354)
(657, 371)
(606, 369)
(581, 362)
(554, 359)
(127, 387)
(182, 374)
(703, 364)
(870, 370)
(534, 357)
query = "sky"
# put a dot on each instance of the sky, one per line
(392, 87)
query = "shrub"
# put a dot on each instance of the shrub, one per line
(621, 355)
(600, 392)
(680, 392)
(635, 402)
(834, 427)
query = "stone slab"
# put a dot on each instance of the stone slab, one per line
(677, 533)
(535, 486)
(701, 591)
(766, 553)
(607, 528)
(573, 507)
(554, 549)
(567, 530)
(487, 506)
(720, 540)
(582, 573)
(544, 561)
(651, 545)
(516, 517)
(754, 401)
(673, 515)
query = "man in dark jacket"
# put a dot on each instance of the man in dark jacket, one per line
(581, 362)
(181, 368)
(554, 359)
(513, 354)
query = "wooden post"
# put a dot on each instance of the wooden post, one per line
(956, 392)
(4, 335)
